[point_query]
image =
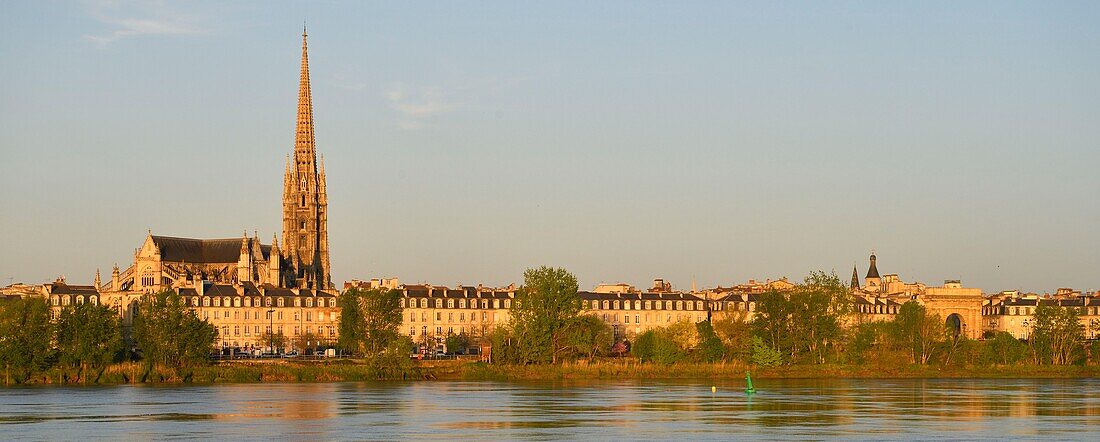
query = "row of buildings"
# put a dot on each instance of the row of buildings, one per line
(251, 291)
(247, 313)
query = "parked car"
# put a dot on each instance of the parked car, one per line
(291, 354)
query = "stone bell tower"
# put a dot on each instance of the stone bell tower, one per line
(305, 203)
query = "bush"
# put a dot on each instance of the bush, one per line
(763, 355)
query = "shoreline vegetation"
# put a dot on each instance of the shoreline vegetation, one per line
(808, 331)
(617, 369)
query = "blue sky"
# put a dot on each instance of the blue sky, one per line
(622, 140)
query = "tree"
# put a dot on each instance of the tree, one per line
(1057, 335)
(588, 336)
(351, 322)
(88, 336)
(25, 332)
(1004, 349)
(805, 319)
(736, 336)
(370, 318)
(866, 339)
(918, 331)
(457, 343)
(772, 320)
(306, 342)
(169, 333)
(816, 308)
(543, 308)
(710, 348)
(764, 355)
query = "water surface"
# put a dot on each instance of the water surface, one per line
(782, 409)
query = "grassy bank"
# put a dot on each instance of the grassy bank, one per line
(230, 372)
(624, 369)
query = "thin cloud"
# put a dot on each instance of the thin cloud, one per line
(140, 19)
(343, 82)
(415, 110)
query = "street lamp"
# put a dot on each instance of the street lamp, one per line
(271, 330)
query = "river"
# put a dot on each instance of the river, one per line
(994, 409)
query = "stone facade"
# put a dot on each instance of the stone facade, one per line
(247, 290)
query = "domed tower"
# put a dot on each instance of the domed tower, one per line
(873, 281)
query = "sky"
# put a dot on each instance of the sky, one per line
(624, 141)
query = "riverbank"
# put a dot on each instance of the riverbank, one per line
(351, 370)
(629, 369)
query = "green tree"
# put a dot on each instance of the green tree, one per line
(710, 347)
(772, 321)
(541, 312)
(457, 343)
(88, 337)
(1005, 349)
(763, 354)
(666, 345)
(370, 318)
(351, 322)
(918, 331)
(1057, 335)
(817, 306)
(588, 336)
(805, 320)
(169, 333)
(25, 332)
(736, 336)
(866, 341)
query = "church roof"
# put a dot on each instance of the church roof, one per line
(202, 251)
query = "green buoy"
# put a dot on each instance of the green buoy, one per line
(748, 381)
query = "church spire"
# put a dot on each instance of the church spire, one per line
(304, 150)
(855, 278)
(305, 205)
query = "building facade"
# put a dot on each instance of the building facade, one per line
(251, 292)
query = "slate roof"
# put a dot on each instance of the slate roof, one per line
(202, 251)
(60, 288)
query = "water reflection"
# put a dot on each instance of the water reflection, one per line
(783, 409)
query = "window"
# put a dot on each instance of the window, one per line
(450, 303)
(236, 330)
(412, 316)
(438, 303)
(438, 316)
(461, 316)
(450, 317)
(461, 303)
(412, 331)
